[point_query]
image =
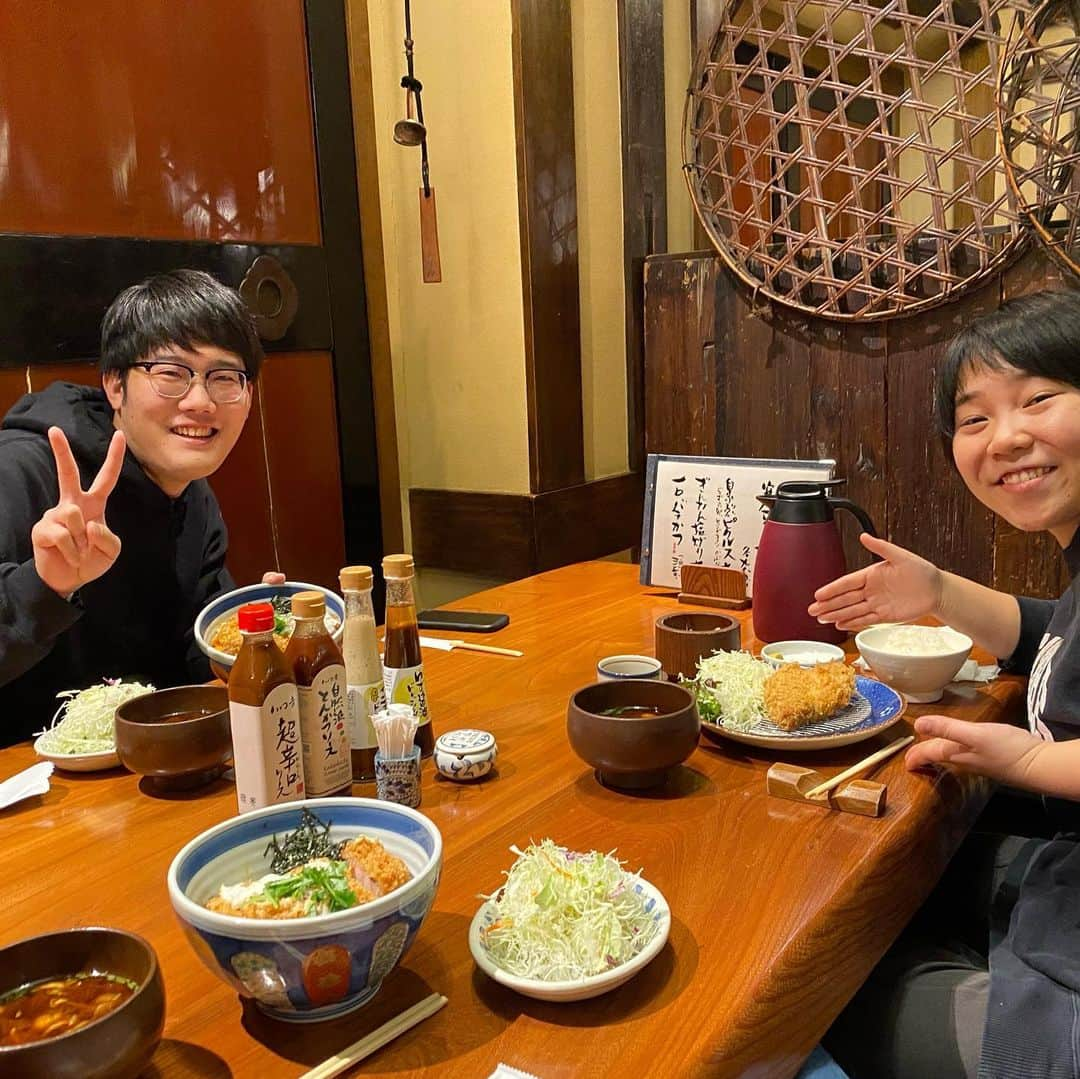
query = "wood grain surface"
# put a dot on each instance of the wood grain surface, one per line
(766, 895)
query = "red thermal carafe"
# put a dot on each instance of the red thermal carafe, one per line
(800, 550)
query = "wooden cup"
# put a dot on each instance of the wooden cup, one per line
(683, 639)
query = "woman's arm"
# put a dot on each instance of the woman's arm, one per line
(990, 618)
(1010, 755)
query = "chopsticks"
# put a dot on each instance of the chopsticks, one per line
(367, 1045)
(862, 766)
(470, 647)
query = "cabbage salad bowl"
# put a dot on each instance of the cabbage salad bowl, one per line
(319, 966)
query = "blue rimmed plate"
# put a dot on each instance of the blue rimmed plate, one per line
(874, 708)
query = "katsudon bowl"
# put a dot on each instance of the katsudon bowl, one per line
(308, 968)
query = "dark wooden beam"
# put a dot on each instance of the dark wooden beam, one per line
(644, 172)
(514, 536)
(547, 195)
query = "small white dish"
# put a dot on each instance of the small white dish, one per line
(804, 653)
(582, 988)
(79, 762)
(614, 668)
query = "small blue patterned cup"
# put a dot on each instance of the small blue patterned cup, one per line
(397, 779)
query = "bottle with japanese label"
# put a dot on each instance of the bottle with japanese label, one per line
(363, 669)
(319, 670)
(264, 716)
(403, 669)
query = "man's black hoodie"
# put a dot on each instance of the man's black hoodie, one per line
(134, 622)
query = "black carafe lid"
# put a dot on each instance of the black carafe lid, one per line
(801, 502)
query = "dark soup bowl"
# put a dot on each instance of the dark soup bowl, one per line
(179, 738)
(634, 731)
(116, 1045)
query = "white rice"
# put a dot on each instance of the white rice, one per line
(918, 640)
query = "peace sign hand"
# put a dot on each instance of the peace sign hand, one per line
(72, 544)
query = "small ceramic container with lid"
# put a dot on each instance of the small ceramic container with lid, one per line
(465, 754)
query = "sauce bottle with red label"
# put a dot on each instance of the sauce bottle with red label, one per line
(322, 691)
(264, 716)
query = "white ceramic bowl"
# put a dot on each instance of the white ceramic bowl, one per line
(920, 678)
(612, 668)
(583, 988)
(306, 968)
(226, 603)
(805, 653)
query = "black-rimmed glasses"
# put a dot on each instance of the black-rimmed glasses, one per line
(224, 385)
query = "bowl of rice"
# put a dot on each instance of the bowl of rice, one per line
(919, 661)
(218, 635)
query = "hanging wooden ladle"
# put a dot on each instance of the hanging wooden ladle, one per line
(412, 132)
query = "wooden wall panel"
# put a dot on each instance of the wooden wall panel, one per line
(167, 120)
(725, 378)
(301, 432)
(547, 194)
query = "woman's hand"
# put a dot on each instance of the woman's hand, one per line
(996, 750)
(72, 543)
(899, 588)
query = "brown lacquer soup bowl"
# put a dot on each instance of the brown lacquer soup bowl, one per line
(633, 732)
(179, 738)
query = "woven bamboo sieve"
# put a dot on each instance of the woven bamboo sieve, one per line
(1038, 103)
(842, 155)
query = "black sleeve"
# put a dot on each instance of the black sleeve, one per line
(1035, 615)
(32, 615)
(214, 579)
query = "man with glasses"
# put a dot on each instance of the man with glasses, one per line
(111, 540)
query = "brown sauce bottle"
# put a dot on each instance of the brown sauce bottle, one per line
(319, 670)
(403, 666)
(264, 717)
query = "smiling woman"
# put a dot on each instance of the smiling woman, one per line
(1008, 406)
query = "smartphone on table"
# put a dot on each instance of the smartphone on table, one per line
(469, 621)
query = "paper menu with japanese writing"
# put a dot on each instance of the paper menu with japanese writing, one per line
(704, 511)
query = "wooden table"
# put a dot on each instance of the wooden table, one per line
(779, 910)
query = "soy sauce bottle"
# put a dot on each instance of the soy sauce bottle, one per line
(319, 670)
(264, 716)
(403, 668)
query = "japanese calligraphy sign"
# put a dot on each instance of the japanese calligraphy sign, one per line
(704, 511)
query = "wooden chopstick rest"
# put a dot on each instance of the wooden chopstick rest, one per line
(842, 792)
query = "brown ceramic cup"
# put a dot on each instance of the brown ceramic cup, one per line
(684, 638)
(180, 738)
(633, 750)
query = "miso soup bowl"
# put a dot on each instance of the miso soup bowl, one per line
(633, 751)
(120, 1044)
(179, 738)
(306, 969)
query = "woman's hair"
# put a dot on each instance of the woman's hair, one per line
(1037, 334)
(185, 308)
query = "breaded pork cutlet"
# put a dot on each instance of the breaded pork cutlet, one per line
(796, 696)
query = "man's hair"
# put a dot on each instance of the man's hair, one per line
(180, 307)
(1037, 334)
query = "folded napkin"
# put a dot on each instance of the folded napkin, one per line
(971, 671)
(504, 1071)
(25, 784)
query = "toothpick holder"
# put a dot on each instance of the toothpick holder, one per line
(397, 779)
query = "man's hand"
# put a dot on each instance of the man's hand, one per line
(72, 543)
(996, 750)
(273, 578)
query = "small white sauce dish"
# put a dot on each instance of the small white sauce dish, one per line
(804, 653)
(614, 668)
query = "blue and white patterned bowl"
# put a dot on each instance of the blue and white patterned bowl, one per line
(216, 609)
(582, 988)
(306, 968)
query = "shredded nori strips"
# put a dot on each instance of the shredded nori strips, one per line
(310, 839)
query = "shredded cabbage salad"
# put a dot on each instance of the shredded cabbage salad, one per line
(84, 721)
(562, 916)
(730, 689)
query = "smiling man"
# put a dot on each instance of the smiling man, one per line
(111, 540)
